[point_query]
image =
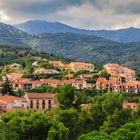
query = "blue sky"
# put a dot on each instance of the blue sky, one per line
(88, 14)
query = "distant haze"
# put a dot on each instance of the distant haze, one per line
(36, 27)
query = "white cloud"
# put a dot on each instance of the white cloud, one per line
(3, 16)
(89, 14)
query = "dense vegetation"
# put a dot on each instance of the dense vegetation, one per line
(14, 54)
(105, 120)
(88, 48)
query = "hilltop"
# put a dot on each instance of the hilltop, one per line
(41, 26)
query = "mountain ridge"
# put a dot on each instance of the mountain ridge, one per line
(36, 27)
(79, 47)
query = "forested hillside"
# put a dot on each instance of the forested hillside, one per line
(88, 48)
(12, 36)
(12, 54)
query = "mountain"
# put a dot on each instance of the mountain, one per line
(122, 35)
(41, 26)
(88, 48)
(11, 35)
(80, 47)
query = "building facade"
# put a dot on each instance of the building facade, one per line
(121, 79)
(41, 101)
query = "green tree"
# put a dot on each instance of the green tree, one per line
(68, 97)
(30, 125)
(113, 122)
(136, 114)
(44, 64)
(69, 118)
(19, 93)
(129, 131)
(43, 89)
(111, 102)
(7, 88)
(7, 133)
(58, 132)
(95, 136)
(80, 72)
(105, 110)
(97, 114)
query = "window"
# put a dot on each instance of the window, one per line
(43, 104)
(31, 104)
(37, 104)
(49, 104)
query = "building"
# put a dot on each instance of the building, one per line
(120, 73)
(86, 106)
(12, 102)
(13, 76)
(35, 101)
(121, 79)
(70, 76)
(45, 71)
(86, 76)
(12, 65)
(78, 84)
(132, 105)
(131, 87)
(56, 64)
(41, 101)
(76, 66)
(102, 83)
(117, 86)
(26, 85)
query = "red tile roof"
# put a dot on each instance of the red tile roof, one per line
(8, 99)
(2, 103)
(40, 95)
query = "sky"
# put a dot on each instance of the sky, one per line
(86, 14)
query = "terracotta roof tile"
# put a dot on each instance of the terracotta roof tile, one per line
(41, 95)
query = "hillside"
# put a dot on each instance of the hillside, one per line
(14, 54)
(88, 48)
(40, 26)
(74, 46)
(11, 35)
(122, 35)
